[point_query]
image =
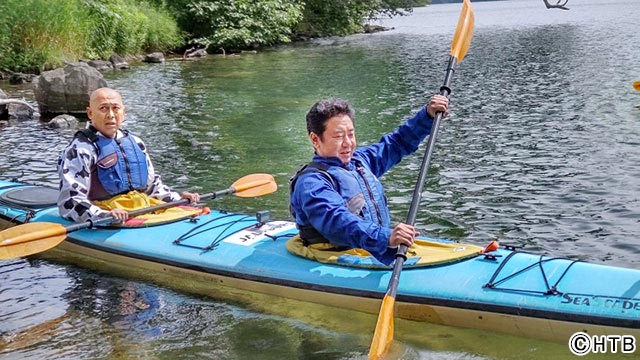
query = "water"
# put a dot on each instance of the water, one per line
(539, 150)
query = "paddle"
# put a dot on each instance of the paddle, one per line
(31, 238)
(383, 334)
(636, 85)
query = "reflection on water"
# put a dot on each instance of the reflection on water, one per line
(94, 316)
(540, 150)
(99, 316)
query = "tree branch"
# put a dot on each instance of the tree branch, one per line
(560, 4)
(16, 101)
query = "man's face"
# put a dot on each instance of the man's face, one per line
(338, 139)
(106, 111)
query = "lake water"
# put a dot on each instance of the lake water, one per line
(539, 151)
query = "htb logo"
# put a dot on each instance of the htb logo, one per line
(582, 344)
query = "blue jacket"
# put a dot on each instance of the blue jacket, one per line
(319, 202)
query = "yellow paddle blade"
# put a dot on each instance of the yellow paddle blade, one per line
(636, 85)
(383, 335)
(464, 32)
(255, 185)
(30, 238)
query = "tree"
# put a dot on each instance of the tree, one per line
(343, 17)
(237, 24)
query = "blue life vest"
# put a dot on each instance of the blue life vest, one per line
(360, 184)
(121, 165)
(360, 189)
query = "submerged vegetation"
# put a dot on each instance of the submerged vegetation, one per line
(37, 35)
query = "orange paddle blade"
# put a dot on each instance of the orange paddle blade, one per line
(383, 335)
(30, 238)
(255, 185)
(636, 85)
(464, 32)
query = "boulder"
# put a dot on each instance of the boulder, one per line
(118, 62)
(20, 78)
(14, 108)
(21, 110)
(100, 65)
(193, 53)
(63, 121)
(66, 90)
(371, 28)
(156, 57)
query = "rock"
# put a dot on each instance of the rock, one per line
(21, 111)
(101, 65)
(66, 90)
(368, 28)
(118, 62)
(18, 108)
(4, 123)
(14, 108)
(195, 53)
(20, 78)
(63, 121)
(156, 57)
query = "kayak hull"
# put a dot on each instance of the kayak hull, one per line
(243, 290)
(228, 255)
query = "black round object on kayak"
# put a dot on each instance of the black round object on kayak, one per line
(34, 197)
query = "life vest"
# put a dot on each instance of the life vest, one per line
(121, 166)
(361, 191)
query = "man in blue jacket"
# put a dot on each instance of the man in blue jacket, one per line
(337, 198)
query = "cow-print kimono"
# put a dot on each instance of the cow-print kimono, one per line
(75, 166)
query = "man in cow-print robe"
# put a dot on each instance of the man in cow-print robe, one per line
(77, 164)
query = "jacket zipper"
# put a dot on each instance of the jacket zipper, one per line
(126, 164)
(366, 184)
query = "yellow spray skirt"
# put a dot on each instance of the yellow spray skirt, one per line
(135, 200)
(421, 253)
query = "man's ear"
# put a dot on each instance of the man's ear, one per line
(89, 113)
(315, 139)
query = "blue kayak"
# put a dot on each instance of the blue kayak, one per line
(505, 290)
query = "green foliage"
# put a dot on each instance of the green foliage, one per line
(238, 24)
(342, 17)
(40, 34)
(128, 27)
(163, 31)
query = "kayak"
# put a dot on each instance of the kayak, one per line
(504, 290)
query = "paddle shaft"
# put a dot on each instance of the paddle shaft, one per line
(401, 255)
(213, 195)
(44, 236)
(108, 220)
(383, 334)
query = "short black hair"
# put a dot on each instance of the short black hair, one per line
(324, 110)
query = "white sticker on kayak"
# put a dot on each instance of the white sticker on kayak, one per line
(255, 234)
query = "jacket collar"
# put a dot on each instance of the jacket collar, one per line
(334, 161)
